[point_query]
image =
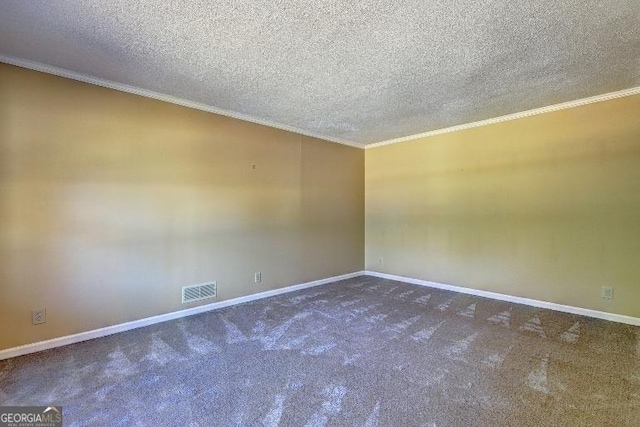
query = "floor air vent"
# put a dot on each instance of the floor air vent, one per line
(198, 292)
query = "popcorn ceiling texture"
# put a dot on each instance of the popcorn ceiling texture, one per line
(363, 71)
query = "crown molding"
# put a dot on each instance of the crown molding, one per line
(62, 72)
(514, 116)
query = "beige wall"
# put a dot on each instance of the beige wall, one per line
(110, 202)
(546, 207)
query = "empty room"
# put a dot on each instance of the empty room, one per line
(322, 213)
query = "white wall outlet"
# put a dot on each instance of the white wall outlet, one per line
(257, 277)
(607, 292)
(39, 316)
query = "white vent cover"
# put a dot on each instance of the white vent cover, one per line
(198, 292)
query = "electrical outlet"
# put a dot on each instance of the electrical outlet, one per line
(607, 292)
(257, 277)
(381, 261)
(39, 316)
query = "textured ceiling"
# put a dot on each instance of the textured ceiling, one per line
(364, 71)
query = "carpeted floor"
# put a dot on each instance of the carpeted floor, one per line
(361, 352)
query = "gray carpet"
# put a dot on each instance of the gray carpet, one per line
(361, 352)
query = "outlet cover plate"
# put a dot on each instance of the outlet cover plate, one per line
(39, 316)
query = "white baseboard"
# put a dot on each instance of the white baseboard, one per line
(518, 300)
(110, 330)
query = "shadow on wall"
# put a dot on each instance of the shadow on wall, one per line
(543, 207)
(112, 202)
